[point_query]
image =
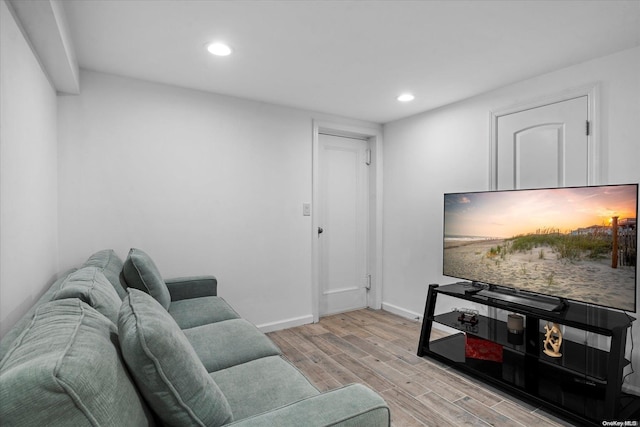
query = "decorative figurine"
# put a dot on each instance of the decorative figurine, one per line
(552, 340)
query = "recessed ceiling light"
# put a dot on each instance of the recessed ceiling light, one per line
(406, 97)
(219, 49)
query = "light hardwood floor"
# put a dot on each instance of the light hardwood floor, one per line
(378, 349)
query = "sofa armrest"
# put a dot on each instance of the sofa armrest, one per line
(192, 287)
(352, 405)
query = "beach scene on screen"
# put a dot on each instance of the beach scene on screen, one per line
(557, 242)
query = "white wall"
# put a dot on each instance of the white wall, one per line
(206, 184)
(28, 175)
(447, 150)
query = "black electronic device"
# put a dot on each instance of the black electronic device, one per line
(467, 315)
(544, 247)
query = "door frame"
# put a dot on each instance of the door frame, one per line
(373, 137)
(591, 91)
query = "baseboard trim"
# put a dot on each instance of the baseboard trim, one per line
(285, 324)
(401, 311)
(305, 320)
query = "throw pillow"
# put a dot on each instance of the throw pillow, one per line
(166, 368)
(140, 272)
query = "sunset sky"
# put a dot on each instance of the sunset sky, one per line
(509, 213)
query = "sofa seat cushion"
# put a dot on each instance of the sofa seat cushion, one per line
(65, 369)
(111, 265)
(189, 313)
(165, 367)
(140, 272)
(262, 385)
(92, 287)
(230, 342)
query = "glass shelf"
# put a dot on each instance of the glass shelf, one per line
(577, 358)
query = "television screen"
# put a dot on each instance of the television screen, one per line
(578, 243)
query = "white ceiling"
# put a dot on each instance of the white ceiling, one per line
(350, 58)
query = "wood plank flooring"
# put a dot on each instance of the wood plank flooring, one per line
(378, 349)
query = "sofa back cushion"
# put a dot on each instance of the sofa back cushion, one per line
(140, 272)
(92, 287)
(111, 265)
(166, 368)
(24, 321)
(65, 369)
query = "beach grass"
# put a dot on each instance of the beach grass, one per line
(590, 279)
(566, 246)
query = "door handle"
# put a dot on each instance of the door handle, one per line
(320, 230)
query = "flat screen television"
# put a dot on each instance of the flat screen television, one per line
(571, 243)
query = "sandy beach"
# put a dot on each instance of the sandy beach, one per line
(585, 280)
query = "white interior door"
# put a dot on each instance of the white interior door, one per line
(544, 147)
(343, 218)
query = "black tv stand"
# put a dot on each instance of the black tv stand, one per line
(583, 385)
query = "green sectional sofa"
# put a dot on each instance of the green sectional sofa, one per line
(113, 344)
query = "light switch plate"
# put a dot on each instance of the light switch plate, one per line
(306, 209)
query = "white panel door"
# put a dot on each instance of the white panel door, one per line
(543, 147)
(343, 218)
